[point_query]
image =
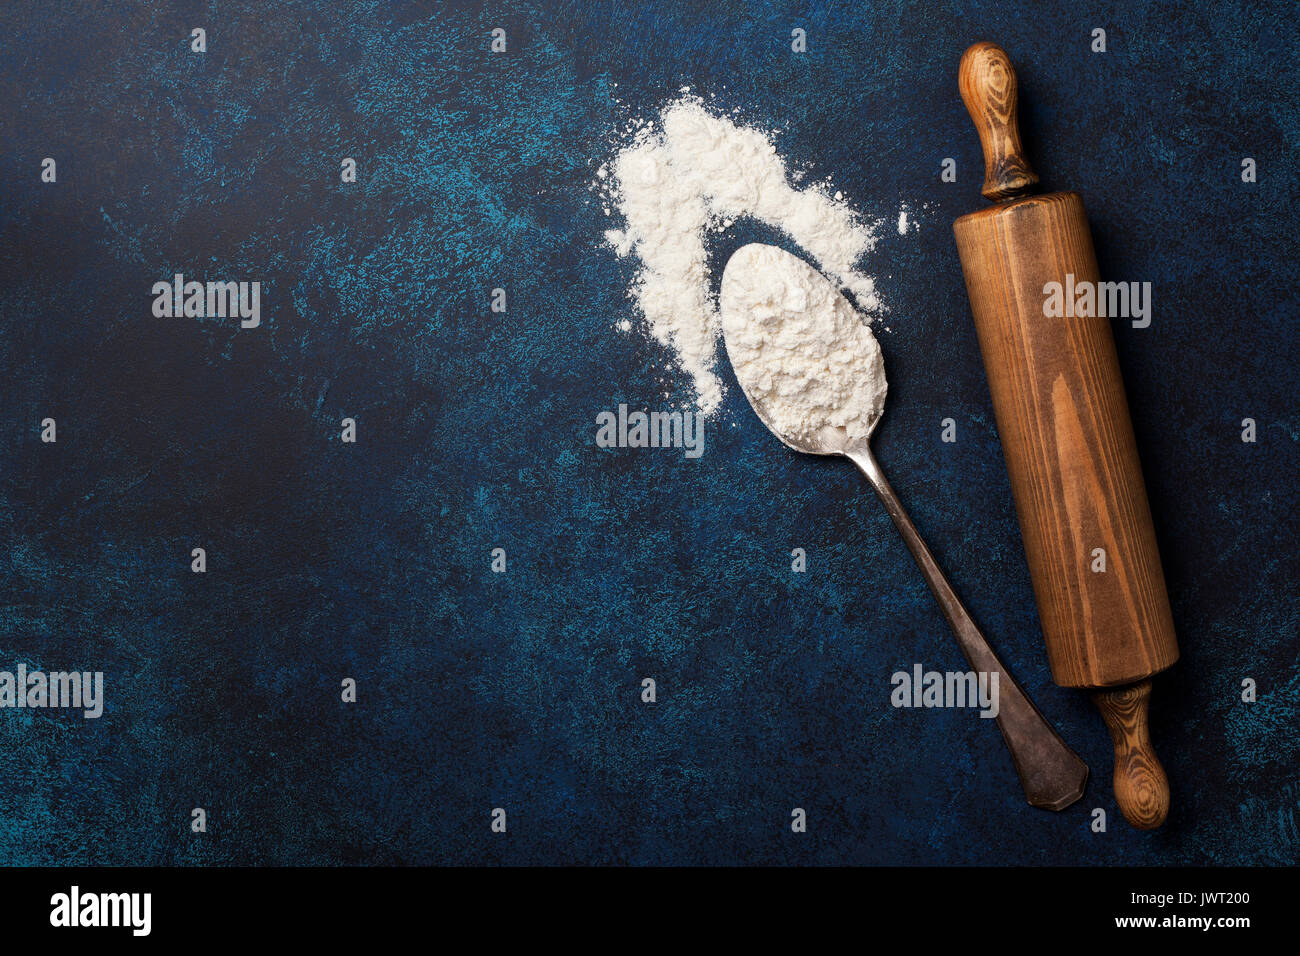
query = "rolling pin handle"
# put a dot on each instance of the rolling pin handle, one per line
(988, 88)
(1141, 787)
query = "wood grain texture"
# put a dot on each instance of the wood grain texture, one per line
(1141, 787)
(988, 88)
(1068, 441)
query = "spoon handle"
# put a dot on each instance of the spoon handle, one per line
(1051, 773)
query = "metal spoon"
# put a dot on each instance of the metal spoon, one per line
(1051, 773)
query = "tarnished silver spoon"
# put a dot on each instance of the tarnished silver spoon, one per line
(814, 375)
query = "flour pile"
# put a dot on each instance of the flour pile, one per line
(695, 172)
(805, 359)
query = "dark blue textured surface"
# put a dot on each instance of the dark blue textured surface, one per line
(476, 431)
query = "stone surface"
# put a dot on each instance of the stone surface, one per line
(476, 431)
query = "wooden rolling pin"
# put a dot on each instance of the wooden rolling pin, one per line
(1068, 440)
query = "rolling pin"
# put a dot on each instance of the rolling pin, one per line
(1067, 439)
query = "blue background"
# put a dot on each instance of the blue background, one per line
(476, 431)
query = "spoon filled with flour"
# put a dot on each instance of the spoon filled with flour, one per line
(815, 376)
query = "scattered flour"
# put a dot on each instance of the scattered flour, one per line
(806, 360)
(695, 172)
(908, 220)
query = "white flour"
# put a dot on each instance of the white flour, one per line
(801, 352)
(696, 172)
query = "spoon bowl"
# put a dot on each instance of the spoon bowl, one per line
(804, 358)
